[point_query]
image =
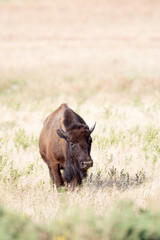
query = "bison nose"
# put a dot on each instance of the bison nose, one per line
(86, 164)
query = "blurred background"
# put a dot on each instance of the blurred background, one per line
(78, 51)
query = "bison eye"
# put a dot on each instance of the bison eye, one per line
(72, 145)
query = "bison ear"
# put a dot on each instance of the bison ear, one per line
(62, 133)
(92, 128)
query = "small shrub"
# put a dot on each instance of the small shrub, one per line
(22, 140)
(14, 174)
(121, 180)
(3, 161)
(101, 142)
(30, 169)
(151, 140)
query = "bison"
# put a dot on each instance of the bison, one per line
(65, 144)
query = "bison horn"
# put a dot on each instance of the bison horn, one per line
(62, 133)
(92, 128)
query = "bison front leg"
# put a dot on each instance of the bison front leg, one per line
(58, 180)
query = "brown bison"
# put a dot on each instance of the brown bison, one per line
(65, 144)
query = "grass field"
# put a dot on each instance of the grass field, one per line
(102, 58)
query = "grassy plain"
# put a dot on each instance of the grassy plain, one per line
(102, 58)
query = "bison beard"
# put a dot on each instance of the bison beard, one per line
(65, 143)
(73, 174)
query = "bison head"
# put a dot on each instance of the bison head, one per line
(78, 145)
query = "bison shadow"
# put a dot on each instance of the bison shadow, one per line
(121, 180)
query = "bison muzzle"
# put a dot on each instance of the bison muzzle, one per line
(65, 145)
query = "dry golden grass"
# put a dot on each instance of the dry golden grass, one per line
(102, 58)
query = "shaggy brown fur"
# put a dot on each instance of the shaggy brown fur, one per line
(65, 143)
